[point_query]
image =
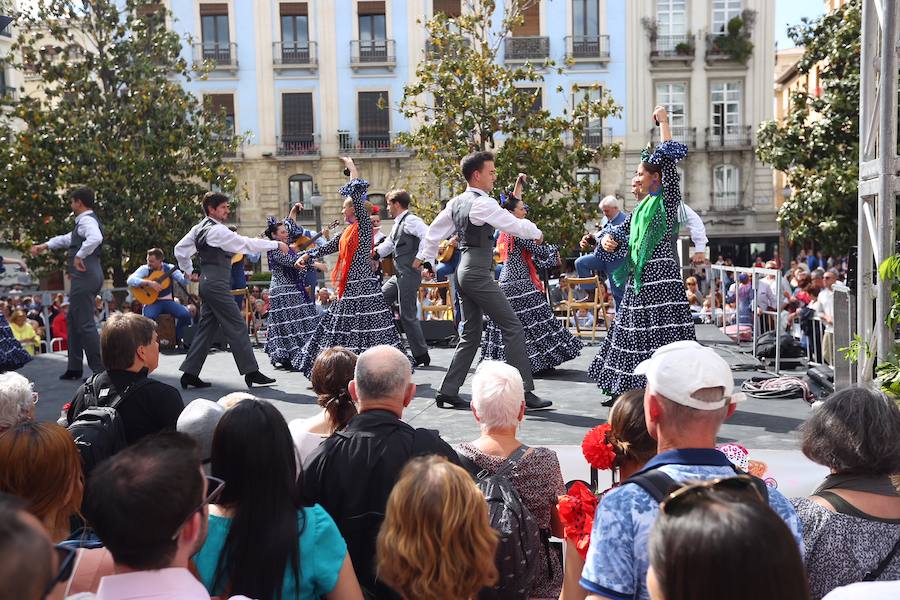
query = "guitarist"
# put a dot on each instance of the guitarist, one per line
(165, 303)
(296, 231)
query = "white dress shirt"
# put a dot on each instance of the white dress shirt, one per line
(696, 228)
(484, 210)
(86, 228)
(218, 236)
(412, 225)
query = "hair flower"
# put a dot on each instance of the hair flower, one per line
(596, 448)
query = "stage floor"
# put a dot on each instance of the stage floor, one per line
(757, 424)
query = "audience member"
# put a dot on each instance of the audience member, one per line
(17, 400)
(59, 328)
(825, 312)
(436, 534)
(303, 555)
(692, 291)
(688, 396)
(24, 332)
(229, 401)
(720, 539)
(498, 403)
(331, 374)
(584, 319)
(41, 465)
(851, 523)
(352, 473)
(199, 420)
(129, 347)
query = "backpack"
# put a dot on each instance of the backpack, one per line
(97, 429)
(659, 485)
(518, 552)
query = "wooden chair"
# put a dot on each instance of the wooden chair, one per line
(248, 310)
(445, 310)
(597, 305)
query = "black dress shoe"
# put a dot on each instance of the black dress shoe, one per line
(451, 401)
(192, 380)
(532, 402)
(257, 378)
(423, 360)
(73, 375)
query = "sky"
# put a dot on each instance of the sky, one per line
(789, 12)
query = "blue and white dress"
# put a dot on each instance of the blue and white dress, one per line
(360, 319)
(12, 354)
(547, 341)
(292, 313)
(659, 314)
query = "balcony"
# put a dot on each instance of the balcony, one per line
(298, 145)
(721, 201)
(294, 55)
(524, 49)
(717, 54)
(372, 53)
(447, 48)
(369, 144)
(678, 50)
(730, 137)
(685, 135)
(587, 48)
(223, 56)
(9, 93)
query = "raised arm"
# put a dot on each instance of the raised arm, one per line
(280, 258)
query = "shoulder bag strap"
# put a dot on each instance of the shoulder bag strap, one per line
(135, 386)
(876, 573)
(511, 461)
(654, 482)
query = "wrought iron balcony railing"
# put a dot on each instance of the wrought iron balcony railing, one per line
(587, 47)
(526, 48)
(294, 54)
(221, 55)
(297, 144)
(372, 53)
(729, 136)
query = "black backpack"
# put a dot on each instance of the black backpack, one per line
(97, 428)
(519, 549)
(659, 485)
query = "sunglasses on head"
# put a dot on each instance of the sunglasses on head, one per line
(682, 499)
(66, 558)
(214, 488)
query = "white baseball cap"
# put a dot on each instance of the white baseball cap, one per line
(679, 369)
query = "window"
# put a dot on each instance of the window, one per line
(724, 11)
(726, 183)
(591, 180)
(674, 97)
(671, 22)
(593, 133)
(297, 123)
(374, 119)
(450, 8)
(222, 104)
(373, 46)
(379, 201)
(300, 189)
(585, 18)
(294, 32)
(537, 100)
(532, 24)
(214, 32)
(726, 108)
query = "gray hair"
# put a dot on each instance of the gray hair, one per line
(382, 372)
(610, 201)
(497, 395)
(15, 399)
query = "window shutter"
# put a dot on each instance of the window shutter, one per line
(373, 119)
(213, 9)
(296, 114)
(370, 8)
(289, 9)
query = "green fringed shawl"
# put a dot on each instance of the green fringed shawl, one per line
(648, 228)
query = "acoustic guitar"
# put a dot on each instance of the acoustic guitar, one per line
(303, 241)
(146, 294)
(445, 251)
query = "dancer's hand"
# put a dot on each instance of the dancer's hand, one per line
(78, 262)
(417, 264)
(348, 162)
(609, 244)
(540, 240)
(301, 262)
(283, 247)
(320, 266)
(37, 249)
(660, 114)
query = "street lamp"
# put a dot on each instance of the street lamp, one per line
(317, 200)
(785, 251)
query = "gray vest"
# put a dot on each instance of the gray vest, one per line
(92, 260)
(213, 261)
(471, 235)
(405, 244)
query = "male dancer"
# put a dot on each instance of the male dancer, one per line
(165, 302)
(473, 215)
(406, 240)
(84, 244)
(216, 244)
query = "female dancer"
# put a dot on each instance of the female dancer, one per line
(359, 318)
(292, 313)
(654, 309)
(548, 343)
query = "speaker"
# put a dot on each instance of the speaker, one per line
(438, 332)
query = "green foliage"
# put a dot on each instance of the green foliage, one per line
(651, 26)
(261, 276)
(889, 270)
(736, 41)
(112, 114)
(464, 99)
(857, 350)
(818, 145)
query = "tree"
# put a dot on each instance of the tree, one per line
(818, 144)
(464, 99)
(111, 114)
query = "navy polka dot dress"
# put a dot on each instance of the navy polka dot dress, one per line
(660, 313)
(547, 342)
(360, 319)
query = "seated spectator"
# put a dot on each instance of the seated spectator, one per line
(304, 555)
(852, 521)
(692, 291)
(323, 300)
(584, 318)
(148, 504)
(722, 540)
(17, 400)
(689, 394)
(59, 327)
(498, 403)
(229, 401)
(418, 555)
(331, 374)
(199, 420)
(352, 473)
(129, 346)
(24, 332)
(42, 466)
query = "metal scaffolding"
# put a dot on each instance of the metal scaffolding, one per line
(879, 166)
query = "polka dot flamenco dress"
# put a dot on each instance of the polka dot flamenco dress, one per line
(547, 342)
(360, 318)
(292, 314)
(659, 313)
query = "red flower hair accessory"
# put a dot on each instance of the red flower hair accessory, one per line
(596, 447)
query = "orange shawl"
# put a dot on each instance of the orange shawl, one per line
(348, 245)
(504, 243)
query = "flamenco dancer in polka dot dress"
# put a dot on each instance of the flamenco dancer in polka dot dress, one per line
(547, 342)
(360, 318)
(654, 309)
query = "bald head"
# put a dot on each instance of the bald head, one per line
(382, 375)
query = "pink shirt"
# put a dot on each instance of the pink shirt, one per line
(165, 584)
